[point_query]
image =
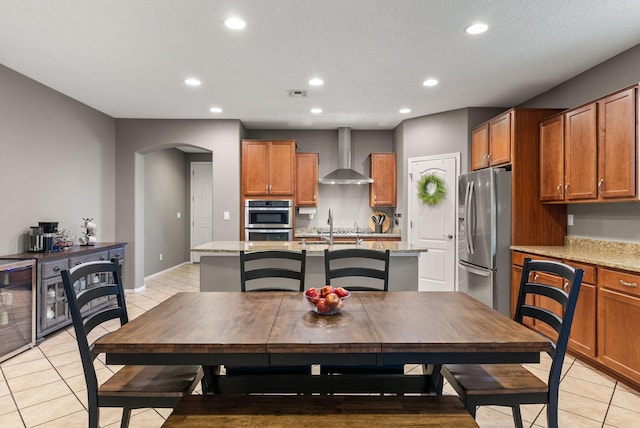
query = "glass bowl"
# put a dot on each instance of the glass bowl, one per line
(326, 300)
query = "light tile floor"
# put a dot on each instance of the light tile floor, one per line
(44, 386)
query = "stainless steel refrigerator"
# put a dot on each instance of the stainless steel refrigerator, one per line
(484, 237)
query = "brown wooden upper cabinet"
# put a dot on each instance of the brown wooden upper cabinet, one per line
(382, 192)
(589, 153)
(268, 167)
(552, 157)
(513, 139)
(480, 147)
(307, 179)
(491, 142)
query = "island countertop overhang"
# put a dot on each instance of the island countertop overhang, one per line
(234, 247)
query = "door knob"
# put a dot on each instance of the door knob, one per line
(449, 236)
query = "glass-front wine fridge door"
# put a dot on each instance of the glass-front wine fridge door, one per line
(55, 307)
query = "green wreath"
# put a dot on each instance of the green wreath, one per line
(431, 189)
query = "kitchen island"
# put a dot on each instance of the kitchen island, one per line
(220, 261)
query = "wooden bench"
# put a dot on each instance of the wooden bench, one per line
(319, 411)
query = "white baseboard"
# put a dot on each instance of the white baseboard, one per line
(153, 275)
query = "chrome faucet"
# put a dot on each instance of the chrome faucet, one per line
(330, 223)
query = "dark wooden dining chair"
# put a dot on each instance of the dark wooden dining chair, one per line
(358, 263)
(289, 268)
(369, 271)
(131, 387)
(512, 384)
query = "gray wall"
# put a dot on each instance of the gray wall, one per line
(136, 137)
(612, 221)
(350, 203)
(436, 134)
(58, 162)
(166, 185)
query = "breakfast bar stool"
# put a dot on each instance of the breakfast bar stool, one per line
(132, 387)
(512, 384)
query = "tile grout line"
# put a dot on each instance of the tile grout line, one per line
(615, 387)
(12, 397)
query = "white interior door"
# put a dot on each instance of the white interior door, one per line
(435, 226)
(201, 205)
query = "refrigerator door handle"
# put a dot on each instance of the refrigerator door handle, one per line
(471, 217)
(465, 220)
(476, 271)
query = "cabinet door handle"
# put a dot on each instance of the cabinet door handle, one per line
(314, 196)
(565, 286)
(559, 189)
(535, 277)
(101, 258)
(566, 188)
(78, 263)
(628, 284)
(117, 255)
(56, 269)
(600, 183)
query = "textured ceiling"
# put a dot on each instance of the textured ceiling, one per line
(129, 58)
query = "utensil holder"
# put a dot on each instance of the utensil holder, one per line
(378, 228)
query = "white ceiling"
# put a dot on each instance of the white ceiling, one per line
(129, 58)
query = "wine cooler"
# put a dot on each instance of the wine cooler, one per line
(17, 306)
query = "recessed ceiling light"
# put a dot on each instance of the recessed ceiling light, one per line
(215, 110)
(316, 82)
(404, 110)
(430, 82)
(316, 110)
(478, 28)
(192, 82)
(235, 23)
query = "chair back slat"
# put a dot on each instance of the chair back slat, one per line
(258, 265)
(544, 315)
(95, 292)
(98, 318)
(358, 262)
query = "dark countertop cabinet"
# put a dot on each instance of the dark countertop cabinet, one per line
(52, 311)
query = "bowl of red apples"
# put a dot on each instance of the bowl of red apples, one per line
(326, 300)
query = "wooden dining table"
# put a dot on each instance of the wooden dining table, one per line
(279, 328)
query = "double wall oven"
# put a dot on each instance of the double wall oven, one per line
(268, 220)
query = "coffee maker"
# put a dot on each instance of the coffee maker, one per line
(43, 237)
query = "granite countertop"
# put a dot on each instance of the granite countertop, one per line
(234, 247)
(345, 232)
(618, 255)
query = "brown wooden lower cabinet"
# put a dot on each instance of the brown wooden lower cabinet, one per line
(602, 333)
(618, 316)
(582, 339)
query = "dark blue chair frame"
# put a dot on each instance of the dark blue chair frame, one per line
(241, 379)
(461, 376)
(131, 387)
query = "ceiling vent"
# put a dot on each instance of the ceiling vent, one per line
(297, 93)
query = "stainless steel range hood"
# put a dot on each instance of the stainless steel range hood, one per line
(344, 174)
